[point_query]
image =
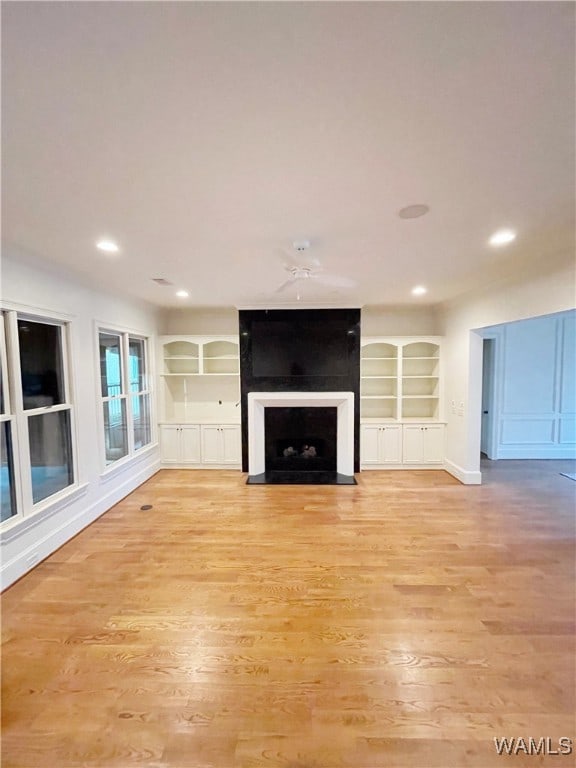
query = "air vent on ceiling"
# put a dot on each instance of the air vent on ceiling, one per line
(161, 281)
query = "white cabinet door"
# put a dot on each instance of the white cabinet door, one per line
(413, 444)
(180, 444)
(221, 444)
(211, 444)
(390, 445)
(170, 443)
(370, 444)
(433, 446)
(380, 444)
(190, 444)
(231, 444)
(423, 444)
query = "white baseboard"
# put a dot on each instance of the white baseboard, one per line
(465, 476)
(399, 467)
(536, 452)
(172, 465)
(27, 559)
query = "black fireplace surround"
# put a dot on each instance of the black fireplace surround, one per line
(308, 350)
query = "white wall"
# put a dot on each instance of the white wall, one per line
(199, 322)
(27, 286)
(541, 293)
(376, 321)
(399, 321)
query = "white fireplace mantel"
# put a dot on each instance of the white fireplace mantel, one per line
(342, 401)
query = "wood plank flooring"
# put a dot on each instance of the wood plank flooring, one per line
(402, 623)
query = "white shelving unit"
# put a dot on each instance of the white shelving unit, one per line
(199, 387)
(379, 380)
(420, 381)
(400, 384)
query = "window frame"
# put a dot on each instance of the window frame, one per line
(19, 416)
(125, 335)
(7, 416)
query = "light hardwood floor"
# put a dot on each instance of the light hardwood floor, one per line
(401, 623)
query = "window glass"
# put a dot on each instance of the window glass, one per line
(8, 501)
(141, 420)
(50, 453)
(137, 364)
(110, 365)
(115, 430)
(40, 364)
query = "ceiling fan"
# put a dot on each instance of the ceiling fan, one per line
(302, 268)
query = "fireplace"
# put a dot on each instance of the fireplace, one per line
(300, 358)
(301, 437)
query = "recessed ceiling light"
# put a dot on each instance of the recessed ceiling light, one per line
(108, 246)
(413, 211)
(503, 237)
(182, 294)
(419, 290)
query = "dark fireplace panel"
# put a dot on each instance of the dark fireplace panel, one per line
(300, 439)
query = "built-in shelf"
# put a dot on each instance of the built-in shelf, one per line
(400, 379)
(199, 379)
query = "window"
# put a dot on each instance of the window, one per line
(36, 413)
(124, 388)
(140, 398)
(43, 388)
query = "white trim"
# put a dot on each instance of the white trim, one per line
(32, 312)
(466, 477)
(50, 506)
(299, 305)
(120, 466)
(537, 451)
(342, 401)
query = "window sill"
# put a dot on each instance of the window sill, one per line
(120, 466)
(14, 527)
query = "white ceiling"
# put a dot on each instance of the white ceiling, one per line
(205, 137)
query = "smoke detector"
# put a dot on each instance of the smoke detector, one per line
(301, 245)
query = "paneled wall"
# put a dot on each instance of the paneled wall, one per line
(536, 388)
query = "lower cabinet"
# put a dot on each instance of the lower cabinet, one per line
(221, 444)
(423, 443)
(403, 445)
(201, 444)
(180, 443)
(380, 444)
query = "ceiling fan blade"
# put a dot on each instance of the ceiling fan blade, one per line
(285, 285)
(336, 281)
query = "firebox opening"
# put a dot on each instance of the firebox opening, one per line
(300, 439)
